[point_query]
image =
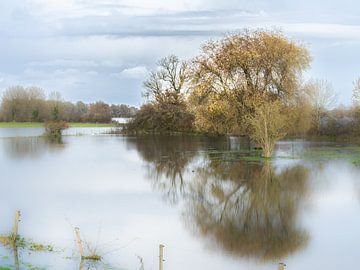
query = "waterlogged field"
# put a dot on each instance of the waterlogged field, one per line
(23, 132)
(40, 125)
(212, 202)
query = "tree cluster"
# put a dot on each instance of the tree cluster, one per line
(249, 84)
(122, 110)
(30, 104)
(242, 84)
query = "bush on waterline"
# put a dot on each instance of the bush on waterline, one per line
(54, 128)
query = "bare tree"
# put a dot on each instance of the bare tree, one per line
(167, 83)
(13, 101)
(322, 97)
(23, 104)
(36, 103)
(356, 93)
(55, 102)
(99, 112)
(356, 106)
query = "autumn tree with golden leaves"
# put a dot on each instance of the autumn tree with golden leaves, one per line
(234, 78)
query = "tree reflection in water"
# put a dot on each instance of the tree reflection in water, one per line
(249, 210)
(30, 147)
(168, 160)
(245, 208)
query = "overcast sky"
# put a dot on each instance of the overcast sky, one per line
(103, 49)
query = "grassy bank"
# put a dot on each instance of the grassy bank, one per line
(40, 125)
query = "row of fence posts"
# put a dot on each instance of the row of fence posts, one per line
(281, 266)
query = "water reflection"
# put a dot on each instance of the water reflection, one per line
(31, 147)
(11, 261)
(166, 162)
(168, 159)
(15, 259)
(246, 209)
(249, 210)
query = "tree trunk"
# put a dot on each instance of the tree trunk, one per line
(267, 150)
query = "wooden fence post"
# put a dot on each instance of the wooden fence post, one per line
(79, 242)
(14, 239)
(15, 231)
(161, 257)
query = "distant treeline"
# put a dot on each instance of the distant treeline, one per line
(30, 104)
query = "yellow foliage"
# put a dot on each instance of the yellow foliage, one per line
(267, 126)
(233, 77)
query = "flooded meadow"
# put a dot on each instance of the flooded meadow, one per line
(211, 201)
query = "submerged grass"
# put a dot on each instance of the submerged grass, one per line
(93, 257)
(40, 125)
(17, 244)
(237, 155)
(350, 153)
(23, 243)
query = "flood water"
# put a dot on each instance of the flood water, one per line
(196, 195)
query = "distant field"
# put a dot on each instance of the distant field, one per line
(39, 125)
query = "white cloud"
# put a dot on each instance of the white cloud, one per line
(325, 30)
(92, 73)
(63, 63)
(138, 72)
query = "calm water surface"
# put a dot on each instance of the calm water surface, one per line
(33, 132)
(195, 195)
